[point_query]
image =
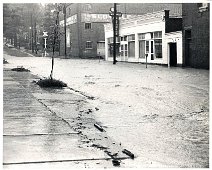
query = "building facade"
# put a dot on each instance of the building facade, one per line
(153, 38)
(85, 25)
(196, 34)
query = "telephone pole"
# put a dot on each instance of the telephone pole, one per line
(115, 20)
(114, 35)
(64, 13)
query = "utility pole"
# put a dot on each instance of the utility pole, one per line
(115, 20)
(114, 35)
(64, 12)
(35, 38)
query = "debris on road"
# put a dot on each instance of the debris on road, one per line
(20, 69)
(99, 127)
(99, 146)
(116, 162)
(131, 155)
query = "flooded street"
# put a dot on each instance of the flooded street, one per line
(160, 114)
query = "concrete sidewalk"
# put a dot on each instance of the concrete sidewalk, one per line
(51, 128)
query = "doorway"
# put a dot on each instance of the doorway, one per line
(124, 51)
(173, 54)
(149, 49)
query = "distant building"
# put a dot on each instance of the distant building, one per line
(85, 25)
(154, 38)
(196, 34)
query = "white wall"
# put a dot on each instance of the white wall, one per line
(136, 26)
(137, 29)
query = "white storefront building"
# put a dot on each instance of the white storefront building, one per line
(154, 35)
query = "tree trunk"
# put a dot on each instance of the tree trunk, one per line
(15, 40)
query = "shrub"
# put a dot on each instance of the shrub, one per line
(20, 69)
(48, 82)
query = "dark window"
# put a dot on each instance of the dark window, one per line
(87, 7)
(88, 45)
(151, 35)
(131, 48)
(157, 34)
(142, 49)
(188, 34)
(87, 26)
(158, 48)
(147, 47)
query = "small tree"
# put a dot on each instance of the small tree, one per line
(55, 36)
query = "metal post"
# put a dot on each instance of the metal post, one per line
(114, 35)
(146, 60)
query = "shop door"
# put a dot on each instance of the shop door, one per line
(149, 46)
(124, 51)
(173, 54)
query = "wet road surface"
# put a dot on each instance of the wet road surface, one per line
(160, 114)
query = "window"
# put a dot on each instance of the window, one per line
(151, 35)
(147, 47)
(131, 48)
(202, 7)
(87, 7)
(131, 37)
(88, 45)
(131, 45)
(87, 26)
(100, 45)
(141, 36)
(158, 48)
(124, 38)
(142, 49)
(157, 34)
(158, 44)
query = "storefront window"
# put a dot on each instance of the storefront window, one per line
(158, 44)
(131, 45)
(131, 48)
(142, 49)
(158, 48)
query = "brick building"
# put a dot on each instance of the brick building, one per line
(196, 34)
(85, 24)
